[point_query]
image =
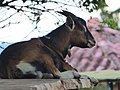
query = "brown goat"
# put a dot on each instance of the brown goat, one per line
(46, 54)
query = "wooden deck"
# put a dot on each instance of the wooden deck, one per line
(44, 84)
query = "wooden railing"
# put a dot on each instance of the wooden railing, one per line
(110, 77)
(44, 84)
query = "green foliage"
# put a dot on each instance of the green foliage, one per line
(93, 4)
(111, 18)
(111, 23)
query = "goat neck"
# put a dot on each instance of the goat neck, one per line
(58, 40)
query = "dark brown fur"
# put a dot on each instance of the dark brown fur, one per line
(47, 53)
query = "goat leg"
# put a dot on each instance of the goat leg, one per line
(67, 66)
(70, 69)
(47, 60)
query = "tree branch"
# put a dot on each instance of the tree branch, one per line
(8, 17)
(7, 3)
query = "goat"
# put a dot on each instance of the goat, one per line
(30, 59)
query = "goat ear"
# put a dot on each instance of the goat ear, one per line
(70, 23)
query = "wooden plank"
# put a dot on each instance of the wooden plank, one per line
(104, 74)
(44, 84)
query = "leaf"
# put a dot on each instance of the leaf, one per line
(43, 1)
(38, 19)
(24, 1)
(102, 4)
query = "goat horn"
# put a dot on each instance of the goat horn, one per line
(66, 13)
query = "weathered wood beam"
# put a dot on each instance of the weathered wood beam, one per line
(44, 84)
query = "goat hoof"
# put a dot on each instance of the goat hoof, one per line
(39, 74)
(66, 75)
(92, 79)
(47, 76)
(69, 74)
(76, 74)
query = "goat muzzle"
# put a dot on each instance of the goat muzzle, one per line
(91, 43)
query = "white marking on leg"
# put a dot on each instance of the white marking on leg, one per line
(26, 68)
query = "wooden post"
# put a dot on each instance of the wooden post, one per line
(118, 83)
